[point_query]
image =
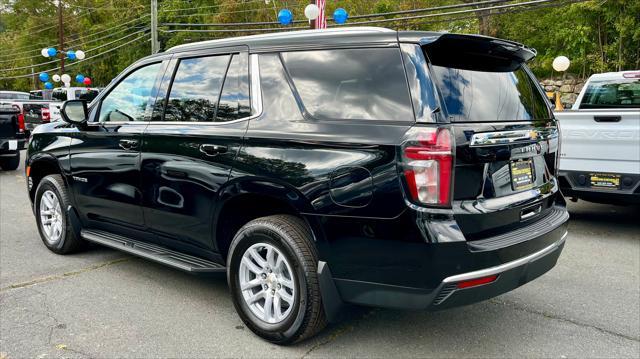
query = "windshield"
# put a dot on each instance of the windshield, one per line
(620, 93)
(485, 96)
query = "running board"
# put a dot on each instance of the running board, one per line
(153, 252)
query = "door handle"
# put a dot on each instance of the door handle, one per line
(607, 118)
(128, 144)
(212, 150)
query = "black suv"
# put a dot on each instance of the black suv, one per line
(316, 168)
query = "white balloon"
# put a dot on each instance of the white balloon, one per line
(311, 11)
(65, 78)
(561, 63)
(44, 52)
(56, 78)
(67, 84)
(80, 54)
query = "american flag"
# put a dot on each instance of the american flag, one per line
(321, 20)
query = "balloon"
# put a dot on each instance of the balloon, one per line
(312, 11)
(285, 17)
(79, 54)
(87, 81)
(340, 16)
(65, 78)
(561, 63)
(56, 78)
(48, 85)
(44, 52)
(79, 78)
(52, 51)
(71, 55)
(44, 77)
(67, 84)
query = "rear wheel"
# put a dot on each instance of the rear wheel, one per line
(10, 164)
(272, 273)
(51, 202)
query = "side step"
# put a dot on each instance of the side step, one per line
(153, 252)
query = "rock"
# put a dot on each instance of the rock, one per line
(566, 88)
(547, 82)
(578, 88)
(558, 83)
(568, 98)
(549, 88)
(570, 82)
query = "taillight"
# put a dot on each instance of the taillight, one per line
(46, 115)
(427, 165)
(20, 116)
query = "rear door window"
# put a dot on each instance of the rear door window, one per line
(196, 89)
(358, 84)
(490, 96)
(621, 93)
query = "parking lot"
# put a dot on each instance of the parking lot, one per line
(102, 303)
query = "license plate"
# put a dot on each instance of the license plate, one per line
(605, 180)
(521, 175)
(13, 145)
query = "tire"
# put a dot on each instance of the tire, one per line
(10, 164)
(289, 238)
(65, 242)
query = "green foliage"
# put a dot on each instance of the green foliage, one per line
(597, 35)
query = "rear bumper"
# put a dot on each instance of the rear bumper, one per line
(576, 184)
(4, 146)
(513, 266)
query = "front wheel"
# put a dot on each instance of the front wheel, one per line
(51, 202)
(272, 273)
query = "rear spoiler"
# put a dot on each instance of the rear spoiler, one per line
(475, 52)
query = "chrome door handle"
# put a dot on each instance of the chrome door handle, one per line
(128, 144)
(212, 150)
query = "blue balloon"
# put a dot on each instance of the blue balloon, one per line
(340, 16)
(79, 78)
(52, 51)
(71, 55)
(44, 77)
(48, 85)
(285, 17)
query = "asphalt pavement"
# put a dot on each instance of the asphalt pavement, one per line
(106, 304)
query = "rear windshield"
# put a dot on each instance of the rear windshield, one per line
(482, 96)
(621, 93)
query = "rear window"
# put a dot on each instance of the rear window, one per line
(484, 96)
(621, 93)
(87, 95)
(358, 84)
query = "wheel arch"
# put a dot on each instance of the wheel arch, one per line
(244, 200)
(40, 166)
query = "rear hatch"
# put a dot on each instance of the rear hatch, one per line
(33, 113)
(9, 127)
(504, 133)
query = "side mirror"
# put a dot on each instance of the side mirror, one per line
(74, 112)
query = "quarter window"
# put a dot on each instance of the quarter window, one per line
(359, 84)
(128, 100)
(234, 100)
(196, 89)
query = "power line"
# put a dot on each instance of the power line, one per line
(206, 7)
(79, 61)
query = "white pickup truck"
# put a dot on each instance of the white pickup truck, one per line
(600, 149)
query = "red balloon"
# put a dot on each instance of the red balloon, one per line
(87, 81)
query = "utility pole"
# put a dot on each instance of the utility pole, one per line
(312, 23)
(155, 44)
(60, 35)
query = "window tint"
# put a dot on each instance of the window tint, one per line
(196, 88)
(128, 100)
(622, 93)
(481, 96)
(363, 84)
(234, 100)
(423, 92)
(87, 94)
(59, 94)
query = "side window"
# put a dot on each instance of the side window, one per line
(359, 84)
(59, 95)
(196, 89)
(128, 100)
(234, 100)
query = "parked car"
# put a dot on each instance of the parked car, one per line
(13, 95)
(74, 93)
(600, 154)
(12, 137)
(37, 112)
(365, 166)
